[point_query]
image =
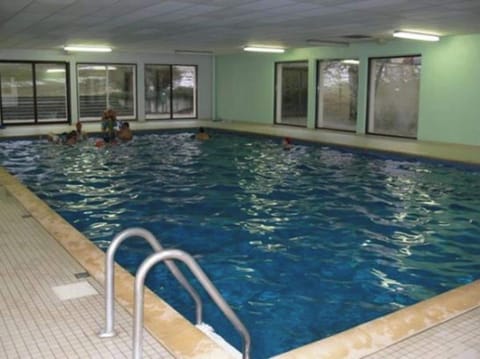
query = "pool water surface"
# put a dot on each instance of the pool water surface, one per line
(302, 243)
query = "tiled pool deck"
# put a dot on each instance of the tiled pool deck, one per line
(40, 251)
(35, 322)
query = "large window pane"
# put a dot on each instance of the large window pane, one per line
(394, 96)
(337, 95)
(33, 92)
(157, 91)
(51, 90)
(292, 93)
(184, 91)
(17, 93)
(170, 91)
(106, 86)
(121, 90)
(92, 91)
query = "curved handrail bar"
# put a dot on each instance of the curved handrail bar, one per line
(186, 258)
(108, 331)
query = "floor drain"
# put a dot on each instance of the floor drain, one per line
(81, 275)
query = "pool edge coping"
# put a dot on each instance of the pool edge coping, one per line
(373, 336)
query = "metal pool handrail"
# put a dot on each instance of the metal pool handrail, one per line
(108, 331)
(186, 258)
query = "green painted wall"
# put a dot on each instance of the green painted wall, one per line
(244, 86)
(450, 84)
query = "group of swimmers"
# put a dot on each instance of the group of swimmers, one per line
(112, 129)
(69, 138)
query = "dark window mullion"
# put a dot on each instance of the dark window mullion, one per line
(107, 82)
(34, 84)
(67, 93)
(171, 92)
(1, 102)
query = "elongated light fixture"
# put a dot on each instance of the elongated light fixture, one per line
(97, 68)
(51, 71)
(351, 61)
(278, 50)
(415, 36)
(83, 48)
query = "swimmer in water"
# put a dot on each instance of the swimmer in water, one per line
(287, 143)
(202, 135)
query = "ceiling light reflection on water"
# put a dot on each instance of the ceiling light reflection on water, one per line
(302, 243)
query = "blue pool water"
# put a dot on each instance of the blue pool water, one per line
(302, 243)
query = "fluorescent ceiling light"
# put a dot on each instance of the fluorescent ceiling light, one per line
(50, 71)
(351, 61)
(97, 68)
(415, 36)
(264, 49)
(87, 48)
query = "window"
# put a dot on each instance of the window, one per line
(33, 93)
(337, 94)
(157, 91)
(291, 95)
(184, 91)
(170, 91)
(394, 95)
(106, 86)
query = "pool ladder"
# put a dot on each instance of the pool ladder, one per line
(167, 256)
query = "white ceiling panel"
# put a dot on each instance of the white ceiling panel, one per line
(266, 4)
(163, 8)
(195, 10)
(223, 26)
(12, 7)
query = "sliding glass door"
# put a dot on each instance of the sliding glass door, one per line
(170, 91)
(291, 95)
(157, 91)
(184, 95)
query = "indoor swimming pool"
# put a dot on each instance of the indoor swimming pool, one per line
(302, 243)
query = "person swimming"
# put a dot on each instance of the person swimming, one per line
(125, 134)
(287, 143)
(81, 135)
(109, 122)
(64, 138)
(202, 135)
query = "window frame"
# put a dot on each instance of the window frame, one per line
(171, 115)
(275, 93)
(36, 122)
(155, 117)
(133, 117)
(318, 91)
(369, 100)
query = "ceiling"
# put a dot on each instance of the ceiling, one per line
(223, 26)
